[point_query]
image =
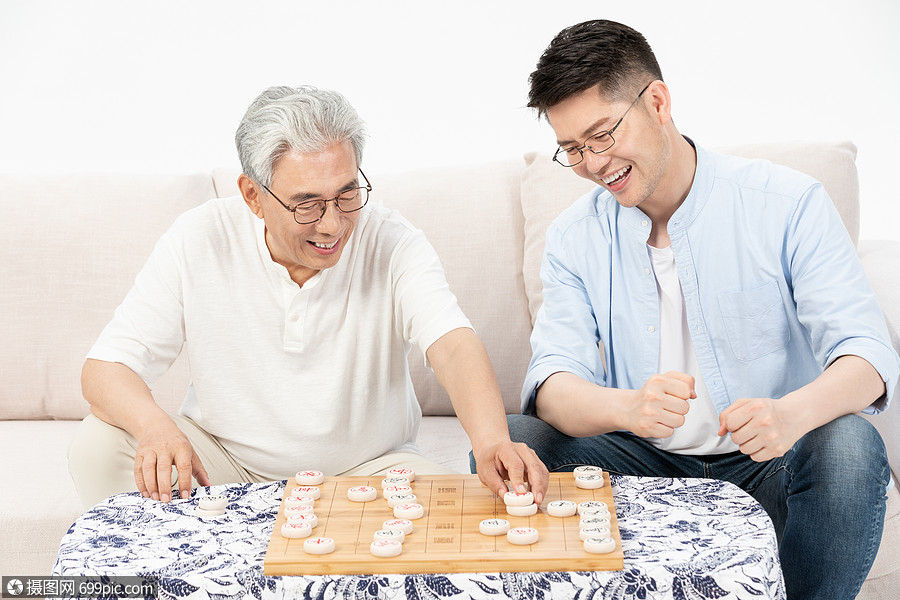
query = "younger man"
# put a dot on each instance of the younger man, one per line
(738, 332)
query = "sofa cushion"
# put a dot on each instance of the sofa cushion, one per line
(225, 182)
(72, 246)
(547, 189)
(478, 234)
(39, 503)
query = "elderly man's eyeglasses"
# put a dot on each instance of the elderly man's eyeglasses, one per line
(598, 143)
(311, 211)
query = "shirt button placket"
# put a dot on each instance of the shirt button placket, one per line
(293, 321)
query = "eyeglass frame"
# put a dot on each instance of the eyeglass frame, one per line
(608, 132)
(367, 187)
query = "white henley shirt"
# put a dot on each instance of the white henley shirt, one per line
(287, 377)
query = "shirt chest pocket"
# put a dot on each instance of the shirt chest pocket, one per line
(755, 321)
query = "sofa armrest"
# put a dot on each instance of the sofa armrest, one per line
(880, 259)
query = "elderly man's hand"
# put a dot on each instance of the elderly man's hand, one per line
(159, 448)
(513, 462)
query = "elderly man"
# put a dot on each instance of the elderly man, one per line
(297, 316)
(738, 333)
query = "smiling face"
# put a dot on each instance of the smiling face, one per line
(634, 168)
(304, 250)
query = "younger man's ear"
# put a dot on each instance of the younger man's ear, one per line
(660, 101)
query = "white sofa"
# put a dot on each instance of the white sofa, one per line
(72, 244)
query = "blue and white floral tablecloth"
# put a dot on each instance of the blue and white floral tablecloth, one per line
(688, 539)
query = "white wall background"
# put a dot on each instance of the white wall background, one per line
(116, 85)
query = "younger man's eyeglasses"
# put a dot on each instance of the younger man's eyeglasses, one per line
(597, 143)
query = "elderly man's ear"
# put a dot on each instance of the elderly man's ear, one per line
(251, 192)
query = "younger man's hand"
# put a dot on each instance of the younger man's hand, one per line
(658, 408)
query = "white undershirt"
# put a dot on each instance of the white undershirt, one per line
(699, 434)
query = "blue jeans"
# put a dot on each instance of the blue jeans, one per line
(826, 495)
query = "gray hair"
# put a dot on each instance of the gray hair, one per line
(303, 119)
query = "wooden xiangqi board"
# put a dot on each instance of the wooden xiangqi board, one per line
(446, 539)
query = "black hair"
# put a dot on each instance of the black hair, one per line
(592, 53)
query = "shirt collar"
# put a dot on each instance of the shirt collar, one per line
(704, 177)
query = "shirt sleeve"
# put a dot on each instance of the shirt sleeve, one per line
(424, 306)
(147, 332)
(834, 299)
(565, 336)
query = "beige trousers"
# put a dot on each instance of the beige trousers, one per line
(101, 460)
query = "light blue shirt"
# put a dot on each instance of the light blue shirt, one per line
(773, 289)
